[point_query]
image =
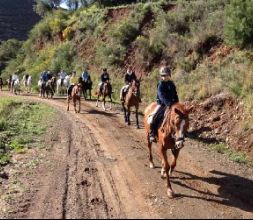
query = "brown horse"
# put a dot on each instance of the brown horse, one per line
(104, 92)
(76, 96)
(132, 99)
(171, 135)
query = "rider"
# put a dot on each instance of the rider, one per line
(25, 78)
(104, 78)
(129, 78)
(14, 78)
(62, 76)
(49, 75)
(86, 76)
(44, 76)
(74, 80)
(166, 97)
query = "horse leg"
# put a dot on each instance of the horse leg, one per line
(90, 93)
(104, 103)
(129, 115)
(167, 168)
(110, 102)
(151, 163)
(97, 100)
(79, 101)
(74, 101)
(174, 162)
(137, 118)
(125, 112)
(68, 100)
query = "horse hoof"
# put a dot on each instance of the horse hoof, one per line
(163, 177)
(138, 127)
(151, 165)
(170, 194)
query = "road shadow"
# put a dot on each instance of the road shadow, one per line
(233, 191)
(98, 112)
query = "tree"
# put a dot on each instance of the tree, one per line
(239, 23)
(42, 7)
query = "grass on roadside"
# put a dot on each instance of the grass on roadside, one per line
(20, 123)
(235, 156)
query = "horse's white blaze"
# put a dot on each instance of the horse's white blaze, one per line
(181, 132)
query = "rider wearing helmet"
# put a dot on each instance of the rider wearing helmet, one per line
(166, 97)
(105, 77)
(129, 78)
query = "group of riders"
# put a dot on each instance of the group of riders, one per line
(166, 89)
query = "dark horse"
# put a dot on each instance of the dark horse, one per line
(104, 92)
(132, 99)
(171, 135)
(47, 89)
(87, 87)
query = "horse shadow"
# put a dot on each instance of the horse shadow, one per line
(233, 191)
(97, 112)
(195, 135)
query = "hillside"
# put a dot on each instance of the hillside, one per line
(188, 35)
(16, 19)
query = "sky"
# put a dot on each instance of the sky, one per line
(63, 5)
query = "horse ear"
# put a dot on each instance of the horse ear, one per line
(190, 109)
(179, 112)
(140, 79)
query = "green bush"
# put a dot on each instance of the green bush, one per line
(239, 23)
(63, 58)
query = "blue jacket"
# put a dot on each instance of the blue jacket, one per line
(44, 76)
(167, 93)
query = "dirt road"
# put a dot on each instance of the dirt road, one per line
(97, 167)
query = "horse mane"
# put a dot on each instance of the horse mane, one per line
(176, 108)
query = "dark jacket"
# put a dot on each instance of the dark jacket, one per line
(130, 78)
(105, 77)
(167, 93)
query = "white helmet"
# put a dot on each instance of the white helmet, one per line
(165, 71)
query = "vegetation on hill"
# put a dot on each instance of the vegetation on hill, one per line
(200, 40)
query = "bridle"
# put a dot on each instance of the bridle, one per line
(179, 141)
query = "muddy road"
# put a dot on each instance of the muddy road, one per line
(97, 167)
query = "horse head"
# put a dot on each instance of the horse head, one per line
(135, 87)
(176, 123)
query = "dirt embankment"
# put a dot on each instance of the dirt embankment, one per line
(223, 119)
(97, 167)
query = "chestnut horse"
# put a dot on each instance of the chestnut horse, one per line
(132, 99)
(76, 96)
(171, 135)
(104, 92)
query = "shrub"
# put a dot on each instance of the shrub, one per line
(63, 58)
(239, 23)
